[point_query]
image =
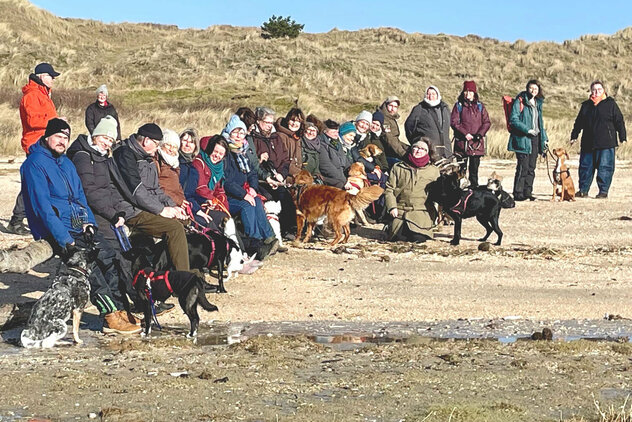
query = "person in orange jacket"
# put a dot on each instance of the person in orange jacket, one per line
(36, 109)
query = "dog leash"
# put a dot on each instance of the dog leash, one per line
(151, 301)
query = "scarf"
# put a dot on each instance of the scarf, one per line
(172, 160)
(313, 144)
(217, 170)
(240, 155)
(187, 158)
(597, 100)
(417, 162)
(96, 147)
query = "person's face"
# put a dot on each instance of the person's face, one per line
(266, 124)
(376, 126)
(170, 149)
(150, 146)
(432, 95)
(349, 137)
(47, 80)
(420, 150)
(58, 142)
(392, 108)
(294, 124)
(597, 90)
(103, 142)
(469, 95)
(238, 136)
(186, 144)
(101, 97)
(362, 126)
(332, 133)
(533, 89)
(218, 154)
(311, 133)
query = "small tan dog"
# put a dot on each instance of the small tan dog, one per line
(562, 177)
(356, 181)
(370, 151)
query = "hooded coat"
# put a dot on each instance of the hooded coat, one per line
(333, 162)
(406, 191)
(36, 109)
(392, 144)
(292, 146)
(424, 121)
(52, 193)
(522, 121)
(94, 170)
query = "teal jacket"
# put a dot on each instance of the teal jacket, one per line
(522, 122)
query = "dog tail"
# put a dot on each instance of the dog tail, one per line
(27, 341)
(364, 198)
(204, 303)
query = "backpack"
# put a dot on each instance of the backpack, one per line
(459, 107)
(507, 106)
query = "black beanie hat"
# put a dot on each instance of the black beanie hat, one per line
(56, 125)
(330, 124)
(151, 131)
(378, 116)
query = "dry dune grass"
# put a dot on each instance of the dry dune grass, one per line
(178, 77)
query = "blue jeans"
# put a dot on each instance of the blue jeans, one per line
(253, 218)
(601, 160)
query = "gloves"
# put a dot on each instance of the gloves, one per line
(88, 233)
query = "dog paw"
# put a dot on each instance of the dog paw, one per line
(78, 341)
(454, 242)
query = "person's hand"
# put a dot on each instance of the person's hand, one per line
(180, 213)
(469, 137)
(369, 159)
(279, 177)
(273, 183)
(252, 192)
(120, 222)
(168, 212)
(250, 199)
(264, 157)
(394, 213)
(532, 132)
(204, 216)
(377, 172)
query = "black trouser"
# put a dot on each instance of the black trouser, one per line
(471, 163)
(18, 210)
(525, 170)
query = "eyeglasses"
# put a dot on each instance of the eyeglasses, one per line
(238, 134)
(169, 147)
(420, 149)
(267, 122)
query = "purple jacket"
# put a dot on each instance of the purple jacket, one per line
(469, 117)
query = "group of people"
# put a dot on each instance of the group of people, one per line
(158, 181)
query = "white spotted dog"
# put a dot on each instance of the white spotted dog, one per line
(273, 209)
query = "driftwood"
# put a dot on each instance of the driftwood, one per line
(12, 316)
(22, 260)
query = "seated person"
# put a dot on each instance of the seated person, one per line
(406, 197)
(57, 211)
(332, 159)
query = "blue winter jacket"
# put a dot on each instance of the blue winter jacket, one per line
(52, 190)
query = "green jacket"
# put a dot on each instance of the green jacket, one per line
(521, 122)
(406, 191)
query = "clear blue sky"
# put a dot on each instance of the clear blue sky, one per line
(506, 20)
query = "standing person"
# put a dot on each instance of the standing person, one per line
(36, 109)
(406, 197)
(431, 118)
(395, 148)
(470, 122)
(99, 109)
(599, 118)
(528, 138)
(57, 211)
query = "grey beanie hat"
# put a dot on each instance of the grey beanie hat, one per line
(364, 115)
(107, 126)
(103, 89)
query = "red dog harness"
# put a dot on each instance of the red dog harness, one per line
(158, 283)
(458, 208)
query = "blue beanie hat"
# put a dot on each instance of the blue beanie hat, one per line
(345, 128)
(234, 123)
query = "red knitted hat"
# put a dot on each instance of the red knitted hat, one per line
(469, 86)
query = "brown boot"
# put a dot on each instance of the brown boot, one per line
(115, 324)
(129, 318)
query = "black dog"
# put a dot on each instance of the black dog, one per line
(188, 287)
(208, 250)
(68, 294)
(460, 204)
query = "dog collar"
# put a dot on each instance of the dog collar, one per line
(79, 270)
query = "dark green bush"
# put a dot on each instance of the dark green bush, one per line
(280, 27)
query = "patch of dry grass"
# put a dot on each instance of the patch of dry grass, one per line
(181, 77)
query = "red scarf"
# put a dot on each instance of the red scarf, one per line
(418, 162)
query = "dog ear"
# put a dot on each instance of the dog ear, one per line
(567, 157)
